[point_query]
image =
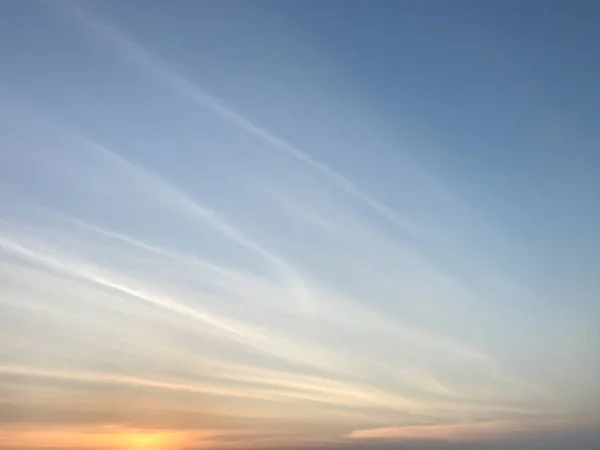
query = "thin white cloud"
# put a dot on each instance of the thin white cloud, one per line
(158, 67)
(243, 334)
(354, 382)
(180, 200)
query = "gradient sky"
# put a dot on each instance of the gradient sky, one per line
(316, 224)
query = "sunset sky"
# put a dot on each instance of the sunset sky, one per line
(317, 224)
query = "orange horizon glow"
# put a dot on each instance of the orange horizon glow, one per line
(103, 437)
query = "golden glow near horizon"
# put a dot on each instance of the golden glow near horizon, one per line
(100, 438)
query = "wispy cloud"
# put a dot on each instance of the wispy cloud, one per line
(160, 68)
(247, 292)
(208, 303)
(429, 238)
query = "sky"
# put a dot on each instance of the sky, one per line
(339, 225)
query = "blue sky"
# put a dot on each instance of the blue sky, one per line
(280, 224)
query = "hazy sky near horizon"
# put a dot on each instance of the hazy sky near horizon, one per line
(317, 224)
